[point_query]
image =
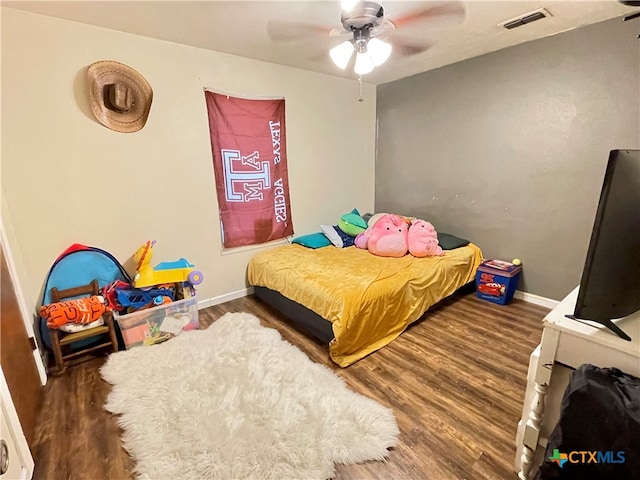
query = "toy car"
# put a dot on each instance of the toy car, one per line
(138, 298)
(494, 289)
(179, 271)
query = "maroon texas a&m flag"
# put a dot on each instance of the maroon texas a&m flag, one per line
(248, 143)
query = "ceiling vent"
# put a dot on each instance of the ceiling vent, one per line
(524, 19)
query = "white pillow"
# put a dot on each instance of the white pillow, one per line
(374, 218)
(332, 235)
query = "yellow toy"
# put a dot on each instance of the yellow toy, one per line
(165, 272)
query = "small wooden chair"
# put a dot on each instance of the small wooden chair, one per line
(61, 340)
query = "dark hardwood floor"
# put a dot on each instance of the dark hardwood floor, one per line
(455, 380)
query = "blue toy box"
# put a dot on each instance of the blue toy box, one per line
(497, 281)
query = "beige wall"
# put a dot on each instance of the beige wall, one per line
(66, 178)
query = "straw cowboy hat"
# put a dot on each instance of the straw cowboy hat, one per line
(120, 97)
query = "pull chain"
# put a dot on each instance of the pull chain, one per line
(360, 98)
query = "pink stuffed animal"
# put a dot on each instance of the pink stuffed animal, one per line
(387, 237)
(362, 239)
(423, 239)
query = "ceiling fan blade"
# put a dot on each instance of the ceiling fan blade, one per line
(447, 12)
(407, 48)
(285, 30)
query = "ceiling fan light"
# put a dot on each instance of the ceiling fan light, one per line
(342, 54)
(379, 51)
(364, 64)
(348, 4)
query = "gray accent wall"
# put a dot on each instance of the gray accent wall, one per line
(509, 149)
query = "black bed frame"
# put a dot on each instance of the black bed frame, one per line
(309, 321)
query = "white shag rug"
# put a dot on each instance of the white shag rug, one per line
(235, 401)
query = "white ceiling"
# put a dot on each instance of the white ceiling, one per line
(240, 27)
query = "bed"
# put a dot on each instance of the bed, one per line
(355, 301)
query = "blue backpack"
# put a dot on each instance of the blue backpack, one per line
(79, 265)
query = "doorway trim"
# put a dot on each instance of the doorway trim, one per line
(37, 354)
(9, 410)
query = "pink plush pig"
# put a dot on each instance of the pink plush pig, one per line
(423, 239)
(388, 236)
(362, 239)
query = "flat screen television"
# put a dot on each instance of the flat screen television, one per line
(610, 284)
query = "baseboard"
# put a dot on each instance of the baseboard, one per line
(536, 299)
(527, 297)
(210, 302)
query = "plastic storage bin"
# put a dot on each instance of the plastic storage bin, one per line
(497, 281)
(157, 324)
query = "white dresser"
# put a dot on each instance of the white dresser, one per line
(566, 344)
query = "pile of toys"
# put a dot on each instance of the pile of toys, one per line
(155, 290)
(153, 286)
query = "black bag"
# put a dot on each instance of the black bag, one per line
(598, 434)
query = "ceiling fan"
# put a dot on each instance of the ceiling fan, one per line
(367, 32)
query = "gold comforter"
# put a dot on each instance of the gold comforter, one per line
(369, 300)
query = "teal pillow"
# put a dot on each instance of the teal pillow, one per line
(352, 223)
(312, 240)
